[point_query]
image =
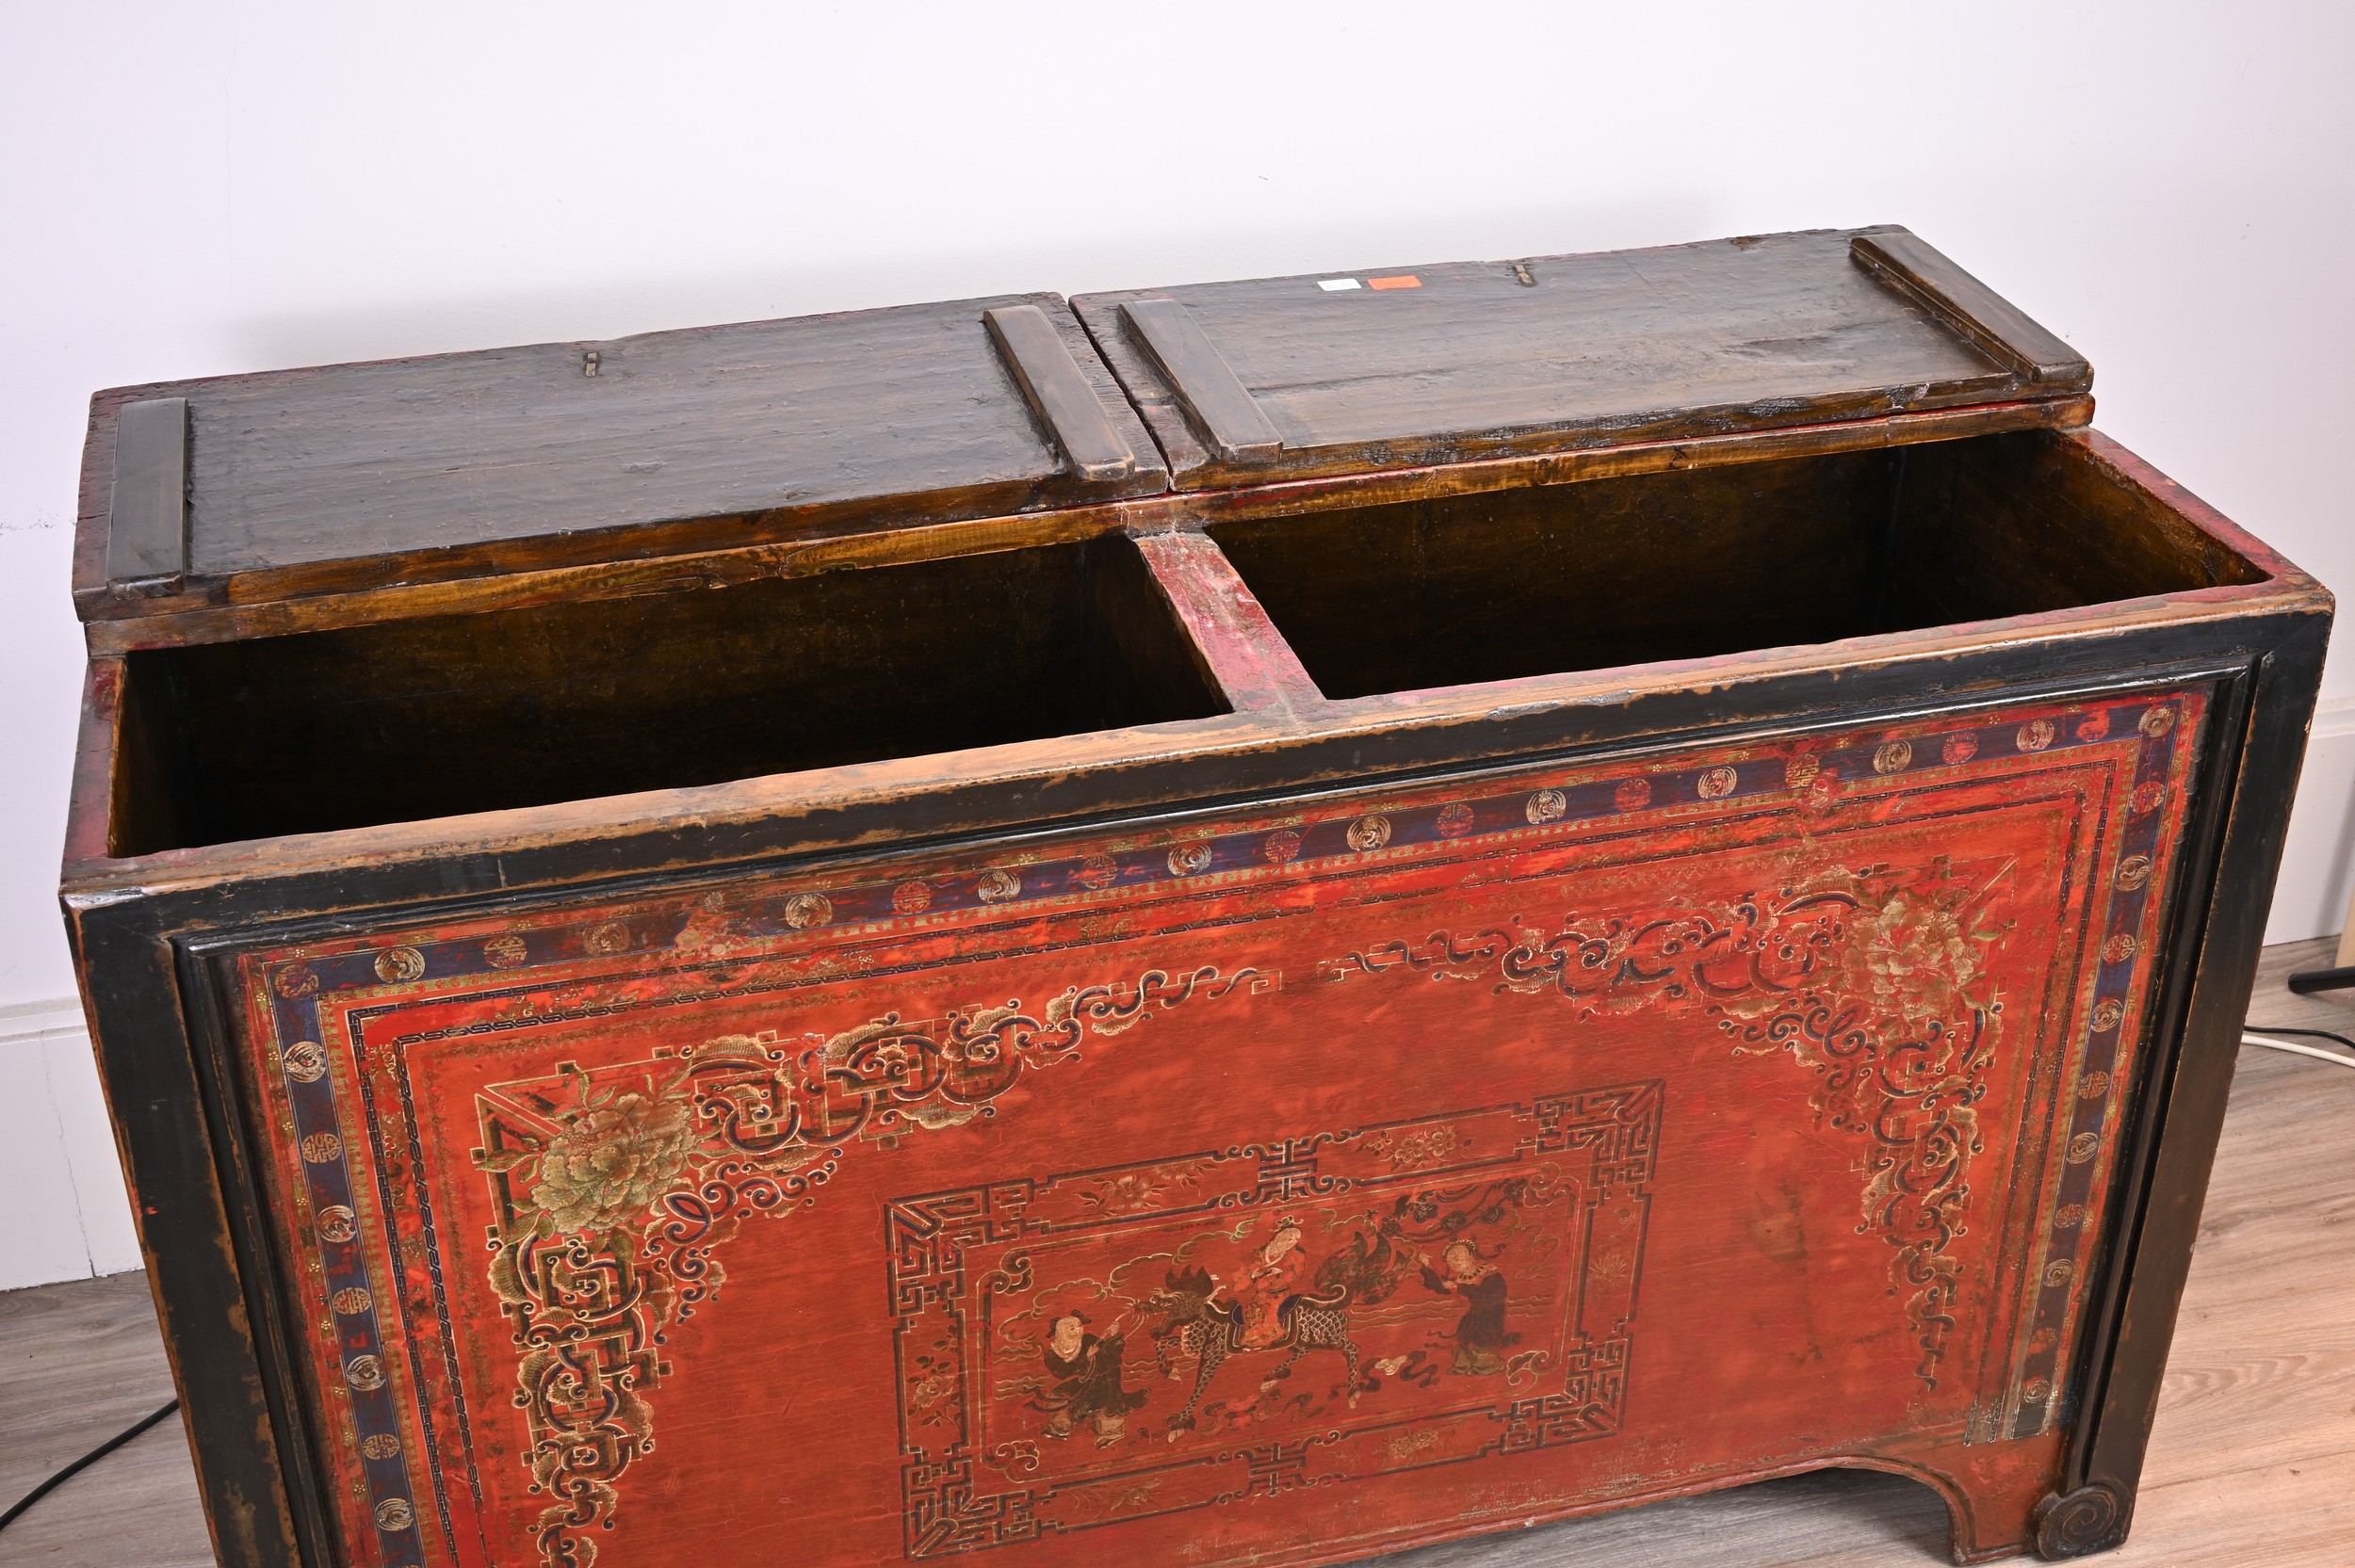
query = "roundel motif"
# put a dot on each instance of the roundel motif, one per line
(397, 965)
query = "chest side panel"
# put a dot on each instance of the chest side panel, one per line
(1280, 1187)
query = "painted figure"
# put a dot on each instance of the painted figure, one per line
(1480, 1335)
(1084, 1381)
(1272, 1276)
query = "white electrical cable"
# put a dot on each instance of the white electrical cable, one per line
(2315, 1051)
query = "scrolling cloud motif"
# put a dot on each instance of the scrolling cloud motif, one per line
(613, 1206)
(1875, 983)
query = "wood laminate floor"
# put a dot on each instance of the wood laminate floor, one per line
(2253, 1460)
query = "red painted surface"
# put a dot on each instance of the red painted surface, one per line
(1280, 1188)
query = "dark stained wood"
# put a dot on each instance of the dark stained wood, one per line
(1126, 772)
(252, 1482)
(1205, 385)
(440, 716)
(877, 542)
(2212, 975)
(1615, 572)
(1596, 350)
(147, 514)
(1994, 325)
(1051, 380)
(1490, 593)
(467, 464)
(2016, 526)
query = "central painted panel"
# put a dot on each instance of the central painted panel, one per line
(1281, 1186)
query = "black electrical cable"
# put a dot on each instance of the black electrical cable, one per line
(117, 1440)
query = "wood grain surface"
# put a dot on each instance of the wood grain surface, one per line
(459, 463)
(1463, 359)
(2253, 1463)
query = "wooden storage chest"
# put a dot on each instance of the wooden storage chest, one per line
(1244, 923)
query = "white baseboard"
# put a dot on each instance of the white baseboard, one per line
(68, 1218)
(2318, 866)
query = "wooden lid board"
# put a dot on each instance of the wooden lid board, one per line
(1293, 377)
(246, 489)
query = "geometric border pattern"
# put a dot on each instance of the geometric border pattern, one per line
(288, 983)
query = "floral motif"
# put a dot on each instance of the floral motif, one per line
(1877, 982)
(1913, 957)
(620, 1200)
(618, 1153)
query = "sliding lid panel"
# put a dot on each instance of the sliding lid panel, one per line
(1243, 382)
(250, 487)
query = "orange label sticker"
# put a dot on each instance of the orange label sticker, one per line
(1405, 280)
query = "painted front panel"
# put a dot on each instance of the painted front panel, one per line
(1283, 1186)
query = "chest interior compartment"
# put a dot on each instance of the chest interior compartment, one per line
(1708, 562)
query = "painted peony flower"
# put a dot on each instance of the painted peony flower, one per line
(1914, 958)
(613, 1161)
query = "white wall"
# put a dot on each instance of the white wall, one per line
(204, 186)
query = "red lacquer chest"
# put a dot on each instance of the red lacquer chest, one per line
(1241, 924)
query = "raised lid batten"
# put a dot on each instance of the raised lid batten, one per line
(1462, 361)
(147, 511)
(1203, 382)
(1051, 379)
(482, 465)
(1993, 323)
